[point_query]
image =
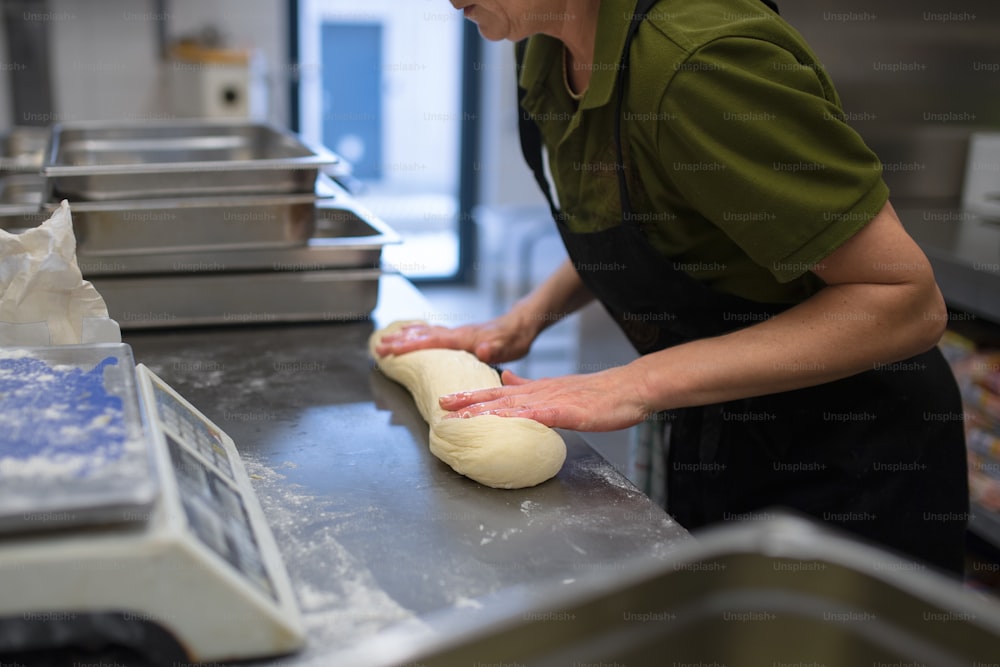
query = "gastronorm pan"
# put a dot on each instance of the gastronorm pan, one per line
(187, 224)
(267, 297)
(102, 161)
(343, 236)
(20, 202)
(22, 150)
(779, 591)
(21, 194)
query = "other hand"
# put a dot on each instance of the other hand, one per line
(604, 401)
(498, 340)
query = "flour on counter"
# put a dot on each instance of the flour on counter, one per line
(467, 603)
(600, 469)
(341, 602)
(527, 506)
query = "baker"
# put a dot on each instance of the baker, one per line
(711, 196)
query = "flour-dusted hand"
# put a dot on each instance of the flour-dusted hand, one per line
(604, 401)
(504, 338)
(501, 339)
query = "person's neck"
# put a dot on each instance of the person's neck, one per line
(577, 30)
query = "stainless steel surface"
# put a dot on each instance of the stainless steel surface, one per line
(343, 236)
(20, 194)
(376, 533)
(22, 150)
(776, 592)
(199, 297)
(20, 201)
(184, 224)
(121, 161)
(982, 176)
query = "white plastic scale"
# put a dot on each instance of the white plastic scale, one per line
(127, 517)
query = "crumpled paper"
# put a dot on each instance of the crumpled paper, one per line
(44, 299)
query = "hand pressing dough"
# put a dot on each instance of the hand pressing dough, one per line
(502, 452)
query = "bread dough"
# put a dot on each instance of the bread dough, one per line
(502, 452)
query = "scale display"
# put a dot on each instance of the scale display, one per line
(213, 504)
(120, 501)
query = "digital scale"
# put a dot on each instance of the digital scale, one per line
(127, 517)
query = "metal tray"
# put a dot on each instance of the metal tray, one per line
(185, 224)
(20, 202)
(22, 150)
(102, 161)
(779, 591)
(344, 236)
(22, 192)
(180, 300)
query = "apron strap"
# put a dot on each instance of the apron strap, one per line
(531, 136)
(638, 16)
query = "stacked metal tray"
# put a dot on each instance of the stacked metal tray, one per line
(331, 274)
(185, 223)
(121, 161)
(21, 182)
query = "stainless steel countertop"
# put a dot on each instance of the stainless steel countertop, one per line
(376, 532)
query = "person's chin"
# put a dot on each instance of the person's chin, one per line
(487, 29)
(489, 35)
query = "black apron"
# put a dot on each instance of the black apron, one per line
(880, 454)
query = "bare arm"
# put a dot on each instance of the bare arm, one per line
(509, 336)
(562, 294)
(880, 305)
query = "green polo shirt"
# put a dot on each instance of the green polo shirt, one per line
(739, 161)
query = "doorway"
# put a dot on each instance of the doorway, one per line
(390, 91)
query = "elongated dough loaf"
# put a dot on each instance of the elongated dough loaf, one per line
(502, 452)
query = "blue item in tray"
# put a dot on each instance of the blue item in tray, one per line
(60, 417)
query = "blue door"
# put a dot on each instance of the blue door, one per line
(352, 94)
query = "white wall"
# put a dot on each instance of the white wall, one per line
(105, 64)
(257, 24)
(104, 60)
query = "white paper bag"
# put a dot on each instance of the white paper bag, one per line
(44, 299)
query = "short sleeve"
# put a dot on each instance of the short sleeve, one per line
(760, 147)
